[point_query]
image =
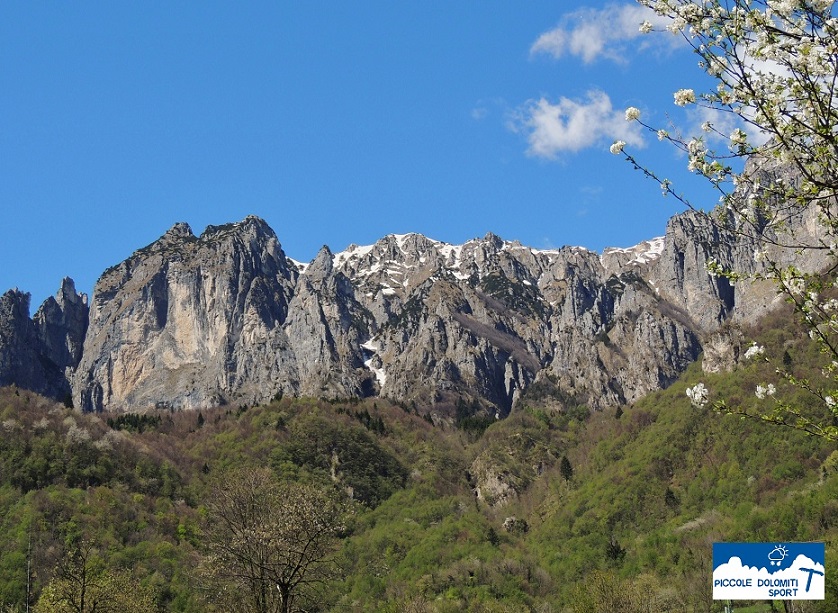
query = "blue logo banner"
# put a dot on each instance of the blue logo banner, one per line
(768, 571)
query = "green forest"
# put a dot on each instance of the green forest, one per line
(577, 511)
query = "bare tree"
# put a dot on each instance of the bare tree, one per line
(269, 545)
(82, 584)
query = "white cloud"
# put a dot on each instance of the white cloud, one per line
(573, 125)
(591, 33)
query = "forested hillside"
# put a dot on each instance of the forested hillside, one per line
(555, 508)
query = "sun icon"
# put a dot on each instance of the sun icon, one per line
(777, 555)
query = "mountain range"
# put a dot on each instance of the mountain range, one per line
(227, 318)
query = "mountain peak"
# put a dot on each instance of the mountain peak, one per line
(14, 303)
(179, 231)
(67, 293)
(322, 262)
(493, 239)
(255, 222)
(250, 224)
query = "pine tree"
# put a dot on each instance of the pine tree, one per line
(566, 469)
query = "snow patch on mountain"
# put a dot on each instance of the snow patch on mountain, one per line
(352, 252)
(372, 348)
(300, 266)
(642, 253)
(401, 260)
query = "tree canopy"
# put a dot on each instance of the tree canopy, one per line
(269, 544)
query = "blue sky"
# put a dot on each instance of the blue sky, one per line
(337, 122)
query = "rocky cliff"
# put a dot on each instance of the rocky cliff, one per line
(227, 317)
(41, 354)
(189, 321)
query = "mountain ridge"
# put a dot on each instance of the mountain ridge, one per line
(228, 318)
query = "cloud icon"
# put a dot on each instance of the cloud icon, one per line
(777, 555)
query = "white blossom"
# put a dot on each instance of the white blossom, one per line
(677, 24)
(695, 147)
(617, 147)
(830, 305)
(662, 134)
(646, 27)
(763, 391)
(738, 137)
(684, 97)
(698, 395)
(632, 113)
(795, 285)
(783, 7)
(102, 444)
(753, 351)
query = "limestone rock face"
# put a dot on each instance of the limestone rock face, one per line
(680, 274)
(41, 353)
(18, 347)
(326, 327)
(61, 323)
(493, 485)
(722, 350)
(190, 321)
(225, 317)
(488, 318)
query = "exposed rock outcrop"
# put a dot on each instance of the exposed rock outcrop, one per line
(226, 317)
(41, 353)
(61, 325)
(190, 321)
